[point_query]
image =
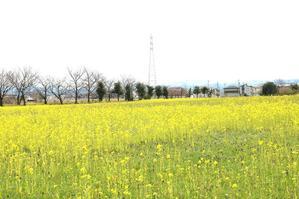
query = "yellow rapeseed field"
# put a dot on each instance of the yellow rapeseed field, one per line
(177, 148)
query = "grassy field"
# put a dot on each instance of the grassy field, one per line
(182, 148)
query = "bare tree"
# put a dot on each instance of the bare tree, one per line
(109, 86)
(23, 80)
(125, 80)
(90, 82)
(59, 89)
(76, 82)
(5, 84)
(43, 88)
(279, 82)
(16, 81)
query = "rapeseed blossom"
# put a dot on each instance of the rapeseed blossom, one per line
(176, 148)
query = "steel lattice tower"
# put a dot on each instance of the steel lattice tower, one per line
(152, 78)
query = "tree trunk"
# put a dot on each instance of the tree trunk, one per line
(88, 97)
(1, 101)
(60, 100)
(117, 97)
(24, 101)
(45, 98)
(23, 98)
(18, 99)
(76, 96)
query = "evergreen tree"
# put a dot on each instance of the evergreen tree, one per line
(204, 90)
(269, 88)
(129, 92)
(150, 92)
(165, 91)
(140, 89)
(118, 90)
(101, 90)
(196, 91)
(158, 91)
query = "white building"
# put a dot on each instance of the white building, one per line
(231, 91)
(246, 90)
(235, 91)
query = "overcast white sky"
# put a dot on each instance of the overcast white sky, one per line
(194, 40)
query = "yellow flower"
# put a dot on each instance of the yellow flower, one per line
(261, 142)
(148, 185)
(30, 170)
(83, 170)
(234, 186)
(127, 193)
(113, 191)
(140, 178)
(51, 153)
(159, 147)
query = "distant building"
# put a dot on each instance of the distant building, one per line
(243, 90)
(215, 92)
(30, 99)
(246, 90)
(177, 92)
(231, 91)
(258, 90)
(286, 89)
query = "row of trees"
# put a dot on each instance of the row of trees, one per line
(22, 82)
(128, 88)
(83, 83)
(201, 90)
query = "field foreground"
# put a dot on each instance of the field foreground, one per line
(184, 148)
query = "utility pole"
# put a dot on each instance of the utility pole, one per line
(152, 78)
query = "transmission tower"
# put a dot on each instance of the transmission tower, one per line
(152, 78)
